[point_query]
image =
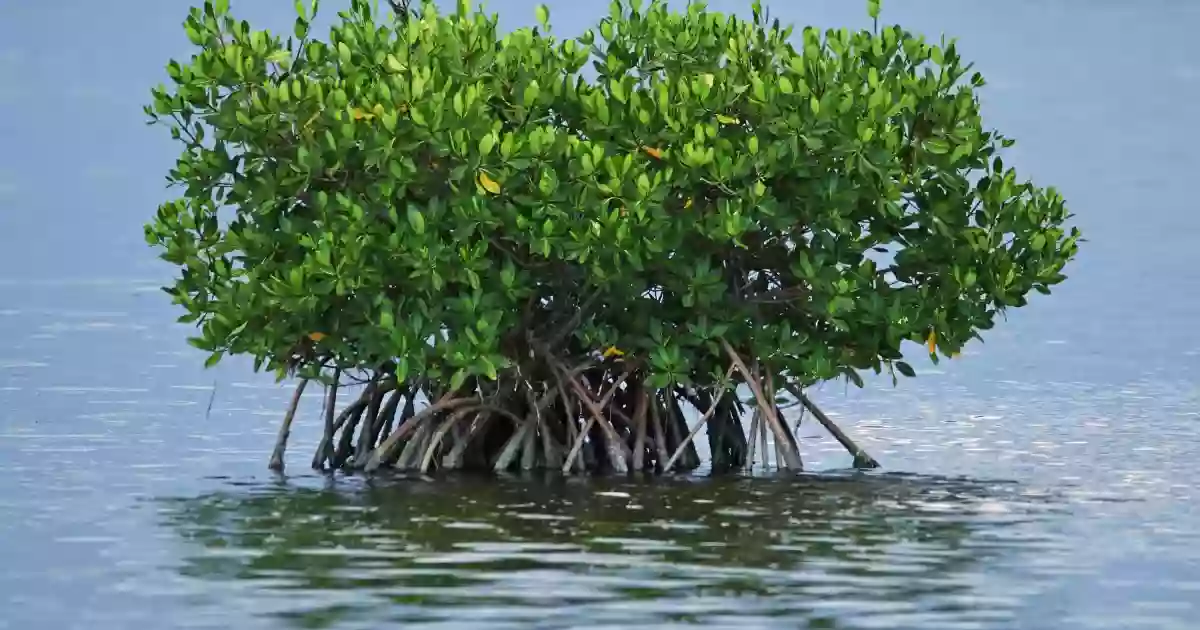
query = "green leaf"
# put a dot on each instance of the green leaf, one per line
(213, 359)
(543, 15)
(905, 369)
(507, 146)
(279, 57)
(508, 274)
(658, 380)
(343, 53)
(486, 144)
(873, 9)
(489, 368)
(937, 146)
(458, 379)
(402, 370)
(416, 219)
(531, 93)
(193, 35)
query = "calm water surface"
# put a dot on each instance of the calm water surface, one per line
(1044, 480)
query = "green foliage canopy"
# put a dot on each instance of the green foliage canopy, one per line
(426, 193)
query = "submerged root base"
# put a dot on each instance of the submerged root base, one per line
(595, 419)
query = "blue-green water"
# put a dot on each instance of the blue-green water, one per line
(1043, 480)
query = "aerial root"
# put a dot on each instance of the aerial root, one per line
(791, 455)
(324, 447)
(594, 417)
(285, 429)
(862, 459)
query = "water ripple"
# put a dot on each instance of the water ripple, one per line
(869, 550)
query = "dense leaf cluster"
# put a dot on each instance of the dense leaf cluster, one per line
(426, 193)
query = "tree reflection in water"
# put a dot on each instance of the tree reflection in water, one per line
(822, 551)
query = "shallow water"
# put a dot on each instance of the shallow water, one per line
(1043, 480)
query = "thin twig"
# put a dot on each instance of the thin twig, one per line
(799, 416)
(596, 415)
(616, 443)
(699, 423)
(578, 437)
(564, 330)
(791, 457)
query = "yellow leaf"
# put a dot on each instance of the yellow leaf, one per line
(687, 204)
(377, 110)
(652, 152)
(316, 336)
(359, 114)
(932, 342)
(727, 120)
(489, 184)
(613, 351)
